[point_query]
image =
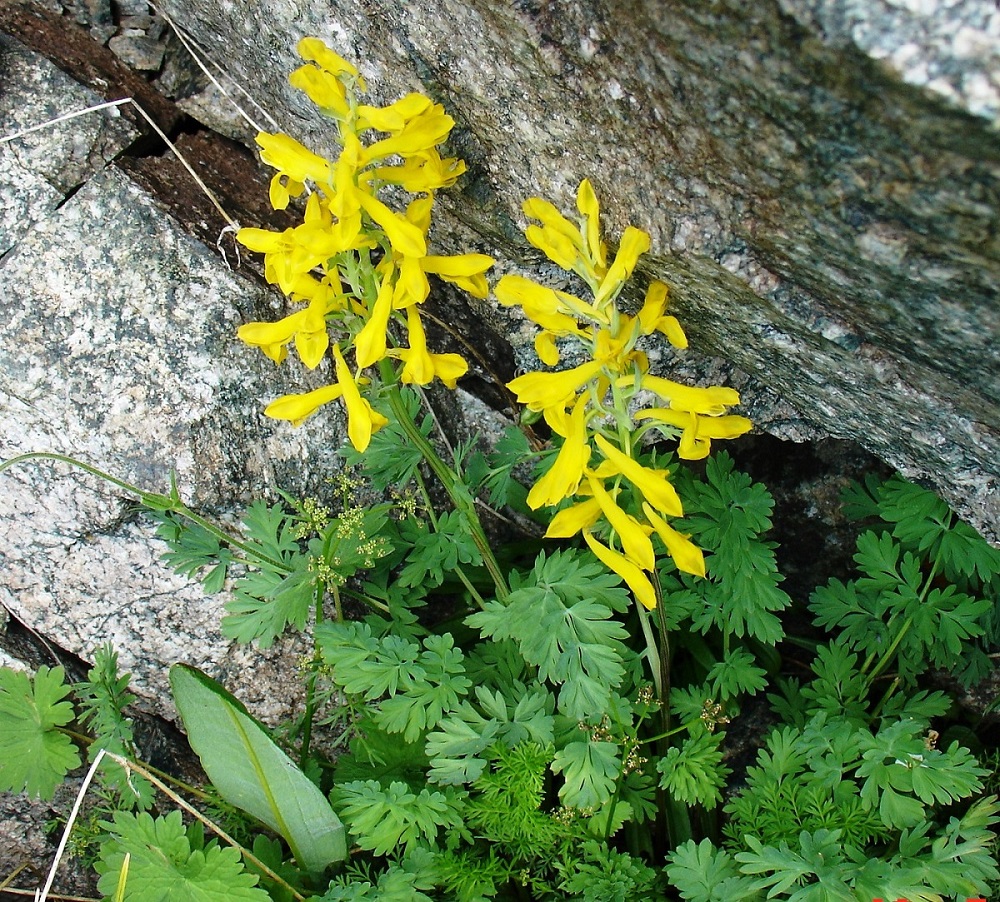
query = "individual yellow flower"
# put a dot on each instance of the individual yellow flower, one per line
(537, 391)
(540, 304)
(324, 89)
(362, 420)
(653, 317)
(635, 541)
(467, 271)
(293, 161)
(315, 50)
(297, 407)
(570, 520)
(711, 401)
(698, 431)
(653, 486)
(370, 344)
(419, 365)
(635, 242)
(564, 475)
(686, 555)
(633, 576)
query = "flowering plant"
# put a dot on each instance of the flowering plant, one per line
(550, 733)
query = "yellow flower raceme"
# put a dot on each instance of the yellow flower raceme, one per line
(619, 497)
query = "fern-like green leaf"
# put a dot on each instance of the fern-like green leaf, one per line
(34, 755)
(694, 773)
(703, 873)
(560, 617)
(382, 819)
(589, 771)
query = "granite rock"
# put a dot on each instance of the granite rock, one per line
(117, 344)
(39, 169)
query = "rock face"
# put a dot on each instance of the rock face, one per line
(117, 345)
(820, 180)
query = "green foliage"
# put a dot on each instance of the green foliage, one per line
(383, 818)
(165, 861)
(423, 681)
(34, 754)
(101, 700)
(559, 615)
(436, 551)
(727, 514)
(252, 773)
(693, 773)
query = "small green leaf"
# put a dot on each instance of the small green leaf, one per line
(34, 755)
(252, 773)
(590, 770)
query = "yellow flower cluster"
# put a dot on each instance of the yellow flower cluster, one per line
(590, 405)
(348, 235)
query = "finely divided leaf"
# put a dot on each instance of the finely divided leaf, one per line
(560, 618)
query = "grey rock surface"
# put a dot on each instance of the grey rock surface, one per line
(828, 220)
(117, 345)
(39, 169)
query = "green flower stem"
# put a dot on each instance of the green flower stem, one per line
(447, 478)
(459, 572)
(171, 503)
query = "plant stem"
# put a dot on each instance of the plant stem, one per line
(154, 501)
(446, 476)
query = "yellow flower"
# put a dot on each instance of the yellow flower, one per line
(370, 344)
(297, 407)
(362, 420)
(635, 542)
(394, 117)
(653, 316)
(323, 88)
(563, 477)
(635, 243)
(419, 134)
(653, 486)
(537, 391)
(307, 328)
(315, 50)
(467, 271)
(404, 236)
(425, 171)
(540, 304)
(698, 431)
(556, 237)
(633, 576)
(687, 556)
(570, 520)
(711, 401)
(586, 203)
(289, 157)
(419, 365)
